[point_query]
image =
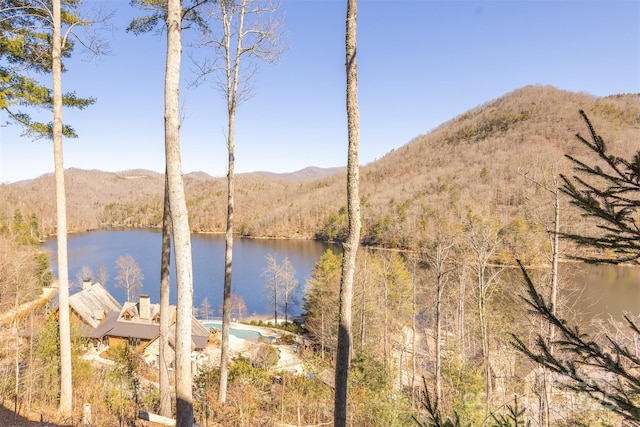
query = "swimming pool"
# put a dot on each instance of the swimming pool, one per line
(245, 334)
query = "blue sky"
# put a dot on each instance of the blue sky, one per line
(421, 63)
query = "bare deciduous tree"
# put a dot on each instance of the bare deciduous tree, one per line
(289, 287)
(238, 308)
(205, 311)
(179, 217)
(165, 275)
(552, 186)
(85, 273)
(250, 32)
(272, 284)
(482, 238)
(280, 285)
(353, 207)
(103, 275)
(438, 256)
(129, 276)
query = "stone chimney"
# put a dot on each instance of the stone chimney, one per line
(145, 307)
(86, 284)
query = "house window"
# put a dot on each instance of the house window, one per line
(133, 342)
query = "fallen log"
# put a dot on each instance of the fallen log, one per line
(155, 418)
(158, 419)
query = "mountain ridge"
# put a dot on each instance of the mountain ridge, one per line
(471, 163)
(309, 172)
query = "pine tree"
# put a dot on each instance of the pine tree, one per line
(25, 51)
(615, 205)
(321, 301)
(606, 372)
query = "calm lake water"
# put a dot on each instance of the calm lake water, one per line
(603, 291)
(590, 292)
(595, 292)
(249, 263)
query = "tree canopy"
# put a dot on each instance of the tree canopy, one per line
(25, 57)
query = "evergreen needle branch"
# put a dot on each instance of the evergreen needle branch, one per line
(611, 194)
(609, 375)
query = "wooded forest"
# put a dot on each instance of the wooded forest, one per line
(445, 309)
(438, 261)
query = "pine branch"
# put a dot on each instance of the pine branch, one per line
(614, 201)
(607, 375)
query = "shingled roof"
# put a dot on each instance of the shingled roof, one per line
(199, 335)
(113, 326)
(92, 304)
(128, 323)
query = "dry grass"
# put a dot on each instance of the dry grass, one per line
(46, 418)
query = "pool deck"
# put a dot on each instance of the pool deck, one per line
(264, 330)
(288, 359)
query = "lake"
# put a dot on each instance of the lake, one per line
(590, 292)
(94, 248)
(594, 291)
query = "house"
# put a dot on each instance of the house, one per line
(138, 324)
(90, 306)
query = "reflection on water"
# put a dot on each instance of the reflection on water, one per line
(589, 291)
(606, 291)
(97, 248)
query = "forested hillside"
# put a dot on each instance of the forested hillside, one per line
(470, 197)
(474, 163)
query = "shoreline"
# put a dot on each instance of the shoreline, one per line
(159, 229)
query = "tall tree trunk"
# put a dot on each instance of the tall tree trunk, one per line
(553, 300)
(438, 336)
(554, 260)
(66, 388)
(385, 329)
(165, 320)
(442, 248)
(462, 285)
(232, 90)
(255, 36)
(285, 295)
(363, 314)
(30, 387)
(226, 294)
(179, 219)
(414, 314)
(353, 206)
(17, 358)
(275, 293)
(484, 333)
(322, 343)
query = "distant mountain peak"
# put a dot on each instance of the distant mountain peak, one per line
(308, 173)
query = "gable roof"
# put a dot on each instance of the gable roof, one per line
(91, 304)
(116, 324)
(199, 334)
(130, 312)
